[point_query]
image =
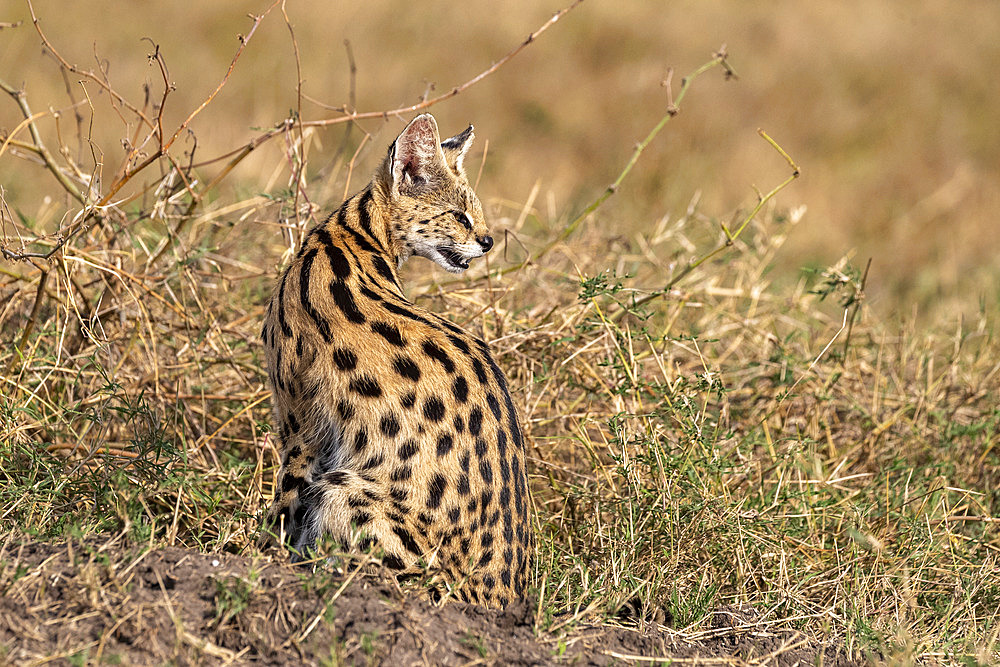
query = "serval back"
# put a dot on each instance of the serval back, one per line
(397, 428)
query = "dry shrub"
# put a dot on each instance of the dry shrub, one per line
(699, 439)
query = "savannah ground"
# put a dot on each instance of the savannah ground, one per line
(774, 453)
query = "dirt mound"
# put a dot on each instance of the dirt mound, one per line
(81, 602)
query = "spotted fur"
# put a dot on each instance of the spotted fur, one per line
(393, 421)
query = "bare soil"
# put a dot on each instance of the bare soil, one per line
(84, 602)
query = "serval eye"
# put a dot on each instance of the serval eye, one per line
(464, 218)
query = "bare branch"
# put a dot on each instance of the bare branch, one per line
(36, 137)
(350, 116)
(85, 73)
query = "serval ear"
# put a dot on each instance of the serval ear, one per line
(456, 147)
(415, 156)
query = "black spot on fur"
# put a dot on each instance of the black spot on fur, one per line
(486, 472)
(406, 312)
(463, 485)
(460, 389)
(407, 368)
(355, 502)
(389, 332)
(307, 305)
(477, 366)
(459, 424)
(444, 444)
(373, 462)
(338, 261)
(366, 292)
(383, 268)
(481, 447)
(407, 540)
(282, 322)
(408, 449)
(491, 400)
(475, 421)
(336, 477)
(434, 409)
(459, 343)
(451, 327)
(344, 299)
(439, 355)
(365, 385)
(360, 440)
(365, 217)
(515, 429)
(389, 425)
(291, 482)
(435, 491)
(345, 410)
(401, 474)
(454, 514)
(293, 423)
(345, 359)
(408, 400)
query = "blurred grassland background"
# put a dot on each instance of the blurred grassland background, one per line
(729, 444)
(891, 108)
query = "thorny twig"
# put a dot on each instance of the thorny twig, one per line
(731, 236)
(855, 307)
(420, 106)
(90, 212)
(38, 145)
(719, 59)
(82, 219)
(297, 144)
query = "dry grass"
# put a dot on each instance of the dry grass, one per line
(741, 437)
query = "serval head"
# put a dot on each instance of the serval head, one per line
(433, 211)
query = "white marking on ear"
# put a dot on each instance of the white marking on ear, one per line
(457, 147)
(415, 152)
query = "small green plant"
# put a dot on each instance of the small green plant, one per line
(233, 595)
(476, 642)
(368, 643)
